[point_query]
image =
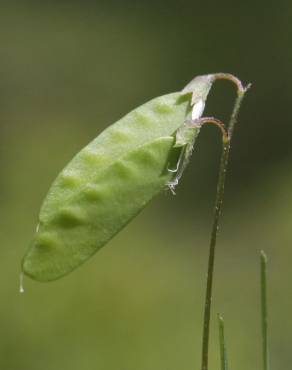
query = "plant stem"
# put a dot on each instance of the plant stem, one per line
(264, 310)
(222, 343)
(217, 212)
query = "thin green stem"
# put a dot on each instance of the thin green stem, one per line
(222, 344)
(217, 212)
(264, 310)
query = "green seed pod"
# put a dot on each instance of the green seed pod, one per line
(111, 180)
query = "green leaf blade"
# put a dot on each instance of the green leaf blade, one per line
(107, 183)
(95, 214)
(222, 344)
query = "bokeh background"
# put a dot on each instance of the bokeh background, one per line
(68, 70)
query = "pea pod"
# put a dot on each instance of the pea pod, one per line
(111, 180)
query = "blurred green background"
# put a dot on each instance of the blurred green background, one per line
(68, 70)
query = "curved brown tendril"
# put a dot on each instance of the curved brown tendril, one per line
(214, 121)
(232, 78)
